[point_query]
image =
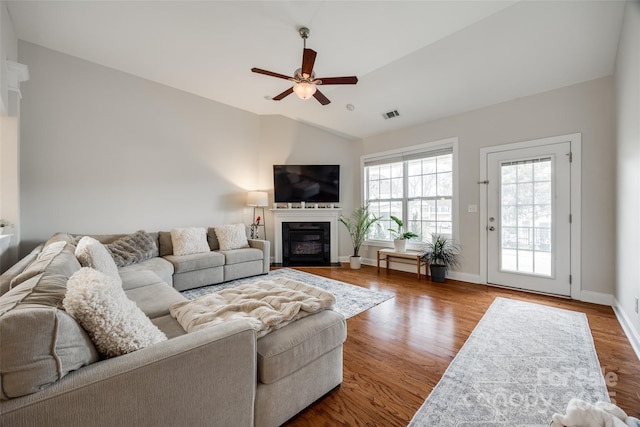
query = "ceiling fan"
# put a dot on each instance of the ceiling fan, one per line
(305, 78)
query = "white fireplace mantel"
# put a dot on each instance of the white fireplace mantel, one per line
(329, 215)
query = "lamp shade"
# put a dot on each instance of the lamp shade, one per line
(257, 198)
(304, 90)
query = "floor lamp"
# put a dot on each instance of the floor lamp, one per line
(258, 200)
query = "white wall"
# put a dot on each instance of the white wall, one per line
(284, 141)
(628, 166)
(9, 136)
(587, 108)
(104, 151)
(8, 50)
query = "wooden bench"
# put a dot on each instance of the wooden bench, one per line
(413, 256)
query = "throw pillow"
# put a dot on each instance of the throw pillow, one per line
(189, 240)
(115, 324)
(232, 237)
(91, 253)
(133, 248)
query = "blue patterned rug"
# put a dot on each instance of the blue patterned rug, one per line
(522, 363)
(350, 299)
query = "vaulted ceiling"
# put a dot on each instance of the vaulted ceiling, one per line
(425, 59)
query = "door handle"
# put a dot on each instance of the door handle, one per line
(492, 228)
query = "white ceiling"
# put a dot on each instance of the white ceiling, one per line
(427, 59)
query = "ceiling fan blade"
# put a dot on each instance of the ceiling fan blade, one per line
(349, 80)
(308, 59)
(283, 94)
(321, 98)
(270, 73)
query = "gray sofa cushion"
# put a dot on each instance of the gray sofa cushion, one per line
(237, 256)
(169, 326)
(133, 248)
(39, 342)
(132, 279)
(183, 263)
(165, 245)
(159, 266)
(286, 350)
(198, 278)
(102, 238)
(16, 269)
(55, 345)
(154, 300)
(212, 239)
(246, 269)
(62, 237)
(58, 257)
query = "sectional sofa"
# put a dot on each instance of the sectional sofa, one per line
(53, 375)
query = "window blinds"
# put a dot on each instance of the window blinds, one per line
(411, 155)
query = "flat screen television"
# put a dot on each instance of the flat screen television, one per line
(306, 183)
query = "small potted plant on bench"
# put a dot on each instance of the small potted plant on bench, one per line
(4, 223)
(441, 254)
(358, 225)
(400, 237)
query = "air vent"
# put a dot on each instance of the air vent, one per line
(390, 114)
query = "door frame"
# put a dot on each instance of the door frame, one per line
(576, 182)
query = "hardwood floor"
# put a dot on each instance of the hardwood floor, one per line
(396, 352)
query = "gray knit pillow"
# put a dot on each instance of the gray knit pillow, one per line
(133, 248)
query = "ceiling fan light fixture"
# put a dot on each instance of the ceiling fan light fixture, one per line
(304, 90)
(304, 78)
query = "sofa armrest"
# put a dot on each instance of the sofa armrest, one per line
(17, 268)
(205, 378)
(265, 246)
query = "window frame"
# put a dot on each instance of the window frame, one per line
(425, 148)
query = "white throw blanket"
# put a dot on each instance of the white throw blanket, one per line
(267, 305)
(584, 414)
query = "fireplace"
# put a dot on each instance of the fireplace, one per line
(306, 243)
(306, 216)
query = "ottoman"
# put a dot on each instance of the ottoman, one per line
(297, 365)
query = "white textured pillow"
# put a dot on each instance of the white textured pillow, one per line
(91, 253)
(232, 237)
(190, 240)
(115, 323)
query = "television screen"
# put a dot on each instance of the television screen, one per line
(306, 183)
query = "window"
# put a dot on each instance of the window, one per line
(416, 185)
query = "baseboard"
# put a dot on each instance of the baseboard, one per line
(411, 268)
(627, 326)
(586, 296)
(464, 277)
(596, 298)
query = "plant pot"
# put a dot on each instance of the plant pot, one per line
(355, 262)
(400, 245)
(437, 273)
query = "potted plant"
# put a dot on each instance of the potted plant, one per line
(442, 254)
(400, 237)
(4, 223)
(358, 226)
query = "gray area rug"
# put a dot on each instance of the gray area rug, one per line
(350, 299)
(522, 363)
